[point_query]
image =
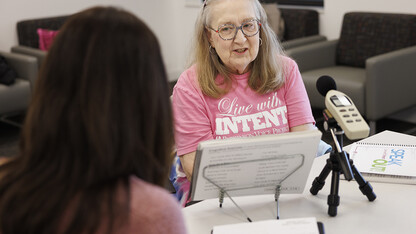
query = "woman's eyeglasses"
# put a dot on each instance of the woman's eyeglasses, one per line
(229, 31)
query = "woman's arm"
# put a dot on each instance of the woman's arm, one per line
(191, 117)
(187, 161)
(303, 127)
(323, 146)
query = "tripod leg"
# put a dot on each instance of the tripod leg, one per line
(319, 181)
(333, 197)
(221, 197)
(276, 198)
(365, 186)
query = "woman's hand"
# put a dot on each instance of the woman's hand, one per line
(187, 161)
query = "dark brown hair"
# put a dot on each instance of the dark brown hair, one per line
(100, 114)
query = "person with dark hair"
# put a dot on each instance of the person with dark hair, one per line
(239, 84)
(96, 142)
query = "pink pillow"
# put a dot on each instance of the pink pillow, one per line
(46, 37)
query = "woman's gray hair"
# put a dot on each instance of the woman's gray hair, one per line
(267, 70)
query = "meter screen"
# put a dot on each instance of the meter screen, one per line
(340, 100)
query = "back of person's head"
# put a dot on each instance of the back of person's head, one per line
(100, 113)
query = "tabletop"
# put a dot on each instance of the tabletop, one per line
(393, 211)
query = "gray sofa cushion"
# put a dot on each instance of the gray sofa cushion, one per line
(7, 74)
(15, 97)
(350, 80)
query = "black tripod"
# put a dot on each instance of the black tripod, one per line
(339, 162)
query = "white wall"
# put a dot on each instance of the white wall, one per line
(173, 20)
(163, 17)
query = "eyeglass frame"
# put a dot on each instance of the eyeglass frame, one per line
(236, 29)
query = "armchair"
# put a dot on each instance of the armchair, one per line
(373, 62)
(301, 27)
(15, 98)
(293, 27)
(29, 39)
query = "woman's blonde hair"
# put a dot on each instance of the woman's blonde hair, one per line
(267, 69)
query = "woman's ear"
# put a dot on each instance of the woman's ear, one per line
(209, 36)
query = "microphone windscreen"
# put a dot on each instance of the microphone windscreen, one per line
(324, 84)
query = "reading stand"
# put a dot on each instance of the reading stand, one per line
(339, 162)
(267, 164)
(270, 169)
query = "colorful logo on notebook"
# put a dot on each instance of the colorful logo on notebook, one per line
(394, 158)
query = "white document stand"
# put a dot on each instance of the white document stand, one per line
(394, 210)
(274, 178)
(268, 164)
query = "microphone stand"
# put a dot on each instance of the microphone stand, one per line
(338, 162)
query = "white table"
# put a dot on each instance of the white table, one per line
(393, 211)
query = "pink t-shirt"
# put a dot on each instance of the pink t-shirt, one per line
(240, 113)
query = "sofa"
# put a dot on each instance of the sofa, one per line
(28, 37)
(14, 98)
(372, 61)
(300, 26)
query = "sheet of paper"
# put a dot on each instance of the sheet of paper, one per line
(252, 173)
(255, 165)
(287, 226)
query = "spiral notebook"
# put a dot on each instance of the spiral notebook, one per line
(389, 163)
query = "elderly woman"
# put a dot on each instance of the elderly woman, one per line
(238, 81)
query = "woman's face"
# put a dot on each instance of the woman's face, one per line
(238, 53)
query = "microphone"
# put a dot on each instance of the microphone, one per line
(327, 87)
(342, 109)
(340, 112)
(324, 84)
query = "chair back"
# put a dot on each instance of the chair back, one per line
(299, 23)
(27, 29)
(365, 34)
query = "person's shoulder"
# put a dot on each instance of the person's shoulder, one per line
(189, 75)
(288, 65)
(287, 61)
(140, 187)
(188, 81)
(153, 209)
(152, 196)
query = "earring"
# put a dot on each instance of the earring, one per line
(261, 41)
